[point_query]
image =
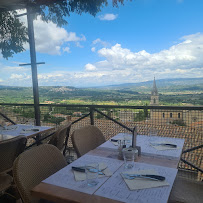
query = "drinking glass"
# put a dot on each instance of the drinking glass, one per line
(129, 157)
(128, 139)
(91, 171)
(152, 134)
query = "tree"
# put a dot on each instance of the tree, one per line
(13, 33)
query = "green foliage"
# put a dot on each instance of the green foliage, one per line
(13, 34)
(24, 112)
(178, 122)
(94, 96)
(140, 116)
(52, 119)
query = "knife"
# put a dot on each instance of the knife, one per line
(166, 144)
(149, 176)
(113, 140)
(80, 169)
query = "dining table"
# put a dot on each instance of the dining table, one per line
(64, 186)
(29, 131)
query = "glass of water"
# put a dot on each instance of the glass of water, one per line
(152, 134)
(129, 157)
(91, 171)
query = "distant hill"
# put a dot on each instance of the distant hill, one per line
(179, 84)
(171, 91)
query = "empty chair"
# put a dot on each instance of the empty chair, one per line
(60, 137)
(86, 138)
(35, 165)
(9, 150)
(186, 191)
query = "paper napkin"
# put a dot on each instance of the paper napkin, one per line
(142, 183)
(162, 147)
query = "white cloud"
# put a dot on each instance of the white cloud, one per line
(93, 49)
(184, 55)
(99, 41)
(66, 49)
(108, 16)
(90, 67)
(121, 65)
(49, 38)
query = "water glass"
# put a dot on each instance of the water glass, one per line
(91, 171)
(152, 134)
(128, 139)
(129, 157)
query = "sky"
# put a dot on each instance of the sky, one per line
(135, 42)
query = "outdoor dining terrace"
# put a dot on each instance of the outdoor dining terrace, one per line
(169, 122)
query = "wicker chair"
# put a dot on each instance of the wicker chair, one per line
(60, 138)
(186, 190)
(86, 139)
(35, 165)
(9, 150)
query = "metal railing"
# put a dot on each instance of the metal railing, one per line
(170, 121)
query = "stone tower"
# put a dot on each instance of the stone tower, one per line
(154, 95)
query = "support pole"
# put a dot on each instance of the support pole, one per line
(33, 64)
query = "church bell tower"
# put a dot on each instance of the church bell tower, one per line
(154, 95)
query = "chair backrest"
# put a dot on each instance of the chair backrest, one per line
(86, 138)
(9, 150)
(59, 137)
(35, 165)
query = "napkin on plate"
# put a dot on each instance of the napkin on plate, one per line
(142, 183)
(157, 145)
(79, 176)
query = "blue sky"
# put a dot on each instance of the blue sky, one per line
(131, 43)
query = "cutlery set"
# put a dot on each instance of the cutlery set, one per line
(146, 176)
(82, 169)
(124, 175)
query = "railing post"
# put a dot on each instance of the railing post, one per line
(92, 115)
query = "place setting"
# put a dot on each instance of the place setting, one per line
(135, 181)
(91, 172)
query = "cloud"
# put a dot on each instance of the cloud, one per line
(90, 67)
(49, 38)
(108, 16)
(122, 65)
(93, 49)
(98, 43)
(66, 49)
(185, 55)
(101, 42)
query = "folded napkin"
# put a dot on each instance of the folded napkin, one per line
(158, 145)
(79, 176)
(143, 183)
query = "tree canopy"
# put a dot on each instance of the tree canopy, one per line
(13, 33)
